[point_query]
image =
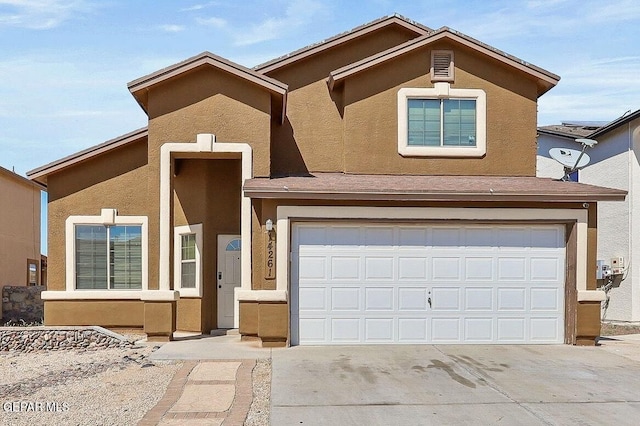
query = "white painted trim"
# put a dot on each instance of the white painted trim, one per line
(106, 217)
(288, 213)
(204, 143)
(262, 295)
(92, 294)
(591, 296)
(160, 295)
(442, 91)
(177, 260)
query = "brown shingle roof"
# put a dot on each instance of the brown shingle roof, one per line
(340, 186)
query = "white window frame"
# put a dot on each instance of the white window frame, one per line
(178, 232)
(107, 217)
(442, 91)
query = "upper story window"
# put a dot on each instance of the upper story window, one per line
(441, 122)
(106, 252)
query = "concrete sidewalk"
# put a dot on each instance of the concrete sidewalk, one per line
(214, 384)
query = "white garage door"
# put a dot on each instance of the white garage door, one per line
(383, 283)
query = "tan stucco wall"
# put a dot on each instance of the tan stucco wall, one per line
(111, 313)
(206, 191)
(19, 228)
(311, 137)
(371, 118)
(115, 180)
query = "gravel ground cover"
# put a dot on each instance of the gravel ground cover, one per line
(81, 387)
(260, 411)
(616, 329)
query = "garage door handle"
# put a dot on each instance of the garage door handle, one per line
(429, 301)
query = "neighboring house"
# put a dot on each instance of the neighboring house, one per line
(20, 259)
(614, 164)
(377, 187)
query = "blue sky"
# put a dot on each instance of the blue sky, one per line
(64, 64)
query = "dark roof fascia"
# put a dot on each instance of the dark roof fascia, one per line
(40, 174)
(138, 86)
(615, 124)
(550, 79)
(558, 134)
(338, 39)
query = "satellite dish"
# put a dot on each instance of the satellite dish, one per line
(569, 157)
(572, 159)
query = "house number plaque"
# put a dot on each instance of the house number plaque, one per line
(270, 256)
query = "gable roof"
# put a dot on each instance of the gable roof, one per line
(40, 174)
(139, 87)
(338, 39)
(546, 80)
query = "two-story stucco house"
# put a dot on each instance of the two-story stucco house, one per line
(378, 187)
(614, 164)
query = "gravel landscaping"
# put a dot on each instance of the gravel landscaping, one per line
(106, 386)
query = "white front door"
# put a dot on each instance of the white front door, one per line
(228, 277)
(461, 283)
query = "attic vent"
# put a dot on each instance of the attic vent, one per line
(442, 65)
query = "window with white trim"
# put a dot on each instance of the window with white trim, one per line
(106, 252)
(188, 254)
(441, 121)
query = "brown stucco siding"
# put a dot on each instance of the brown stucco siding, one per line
(122, 313)
(206, 191)
(114, 180)
(261, 212)
(311, 137)
(371, 117)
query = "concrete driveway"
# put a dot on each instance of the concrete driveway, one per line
(419, 385)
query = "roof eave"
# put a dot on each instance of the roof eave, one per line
(40, 174)
(433, 196)
(546, 80)
(305, 52)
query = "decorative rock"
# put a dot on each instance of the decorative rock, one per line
(29, 339)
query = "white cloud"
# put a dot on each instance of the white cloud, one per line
(41, 14)
(214, 22)
(199, 6)
(171, 28)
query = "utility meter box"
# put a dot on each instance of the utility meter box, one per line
(617, 265)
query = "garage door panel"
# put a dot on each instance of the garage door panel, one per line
(346, 330)
(445, 299)
(379, 299)
(545, 329)
(478, 330)
(412, 299)
(545, 269)
(379, 238)
(379, 330)
(512, 269)
(445, 330)
(379, 268)
(512, 299)
(412, 268)
(445, 269)
(412, 330)
(312, 268)
(358, 284)
(345, 268)
(479, 299)
(313, 299)
(511, 329)
(545, 299)
(478, 268)
(346, 298)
